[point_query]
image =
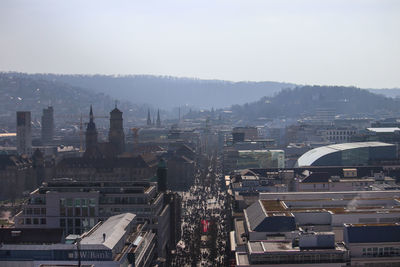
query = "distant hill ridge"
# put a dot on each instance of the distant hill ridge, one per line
(76, 92)
(304, 101)
(26, 92)
(167, 91)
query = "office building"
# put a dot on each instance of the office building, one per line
(373, 244)
(116, 242)
(77, 206)
(47, 126)
(24, 133)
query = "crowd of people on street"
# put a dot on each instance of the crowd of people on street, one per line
(204, 220)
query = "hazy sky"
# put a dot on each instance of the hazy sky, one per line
(308, 42)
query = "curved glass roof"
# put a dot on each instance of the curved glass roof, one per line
(308, 158)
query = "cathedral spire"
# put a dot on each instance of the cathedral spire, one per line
(91, 114)
(148, 118)
(91, 125)
(91, 137)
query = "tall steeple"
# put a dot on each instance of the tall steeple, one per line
(91, 136)
(158, 119)
(91, 113)
(148, 118)
(91, 125)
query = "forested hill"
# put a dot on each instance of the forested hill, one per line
(166, 92)
(21, 92)
(304, 101)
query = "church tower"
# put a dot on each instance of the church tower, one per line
(91, 137)
(148, 118)
(116, 134)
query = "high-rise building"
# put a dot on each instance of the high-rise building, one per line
(47, 125)
(24, 134)
(116, 134)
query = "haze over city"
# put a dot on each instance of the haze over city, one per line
(212, 133)
(304, 42)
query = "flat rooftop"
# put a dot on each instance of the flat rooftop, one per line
(110, 232)
(284, 207)
(329, 195)
(70, 185)
(278, 247)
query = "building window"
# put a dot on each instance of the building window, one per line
(70, 223)
(28, 221)
(92, 202)
(70, 231)
(35, 220)
(43, 221)
(85, 211)
(70, 211)
(70, 202)
(77, 211)
(374, 252)
(91, 211)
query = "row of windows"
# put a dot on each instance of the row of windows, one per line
(77, 225)
(381, 252)
(122, 200)
(341, 132)
(35, 211)
(34, 221)
(338, 138)
(77, 202)
(296, 258)
(37, 200)
(113, 210)
(352, 184)
(77, 211)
